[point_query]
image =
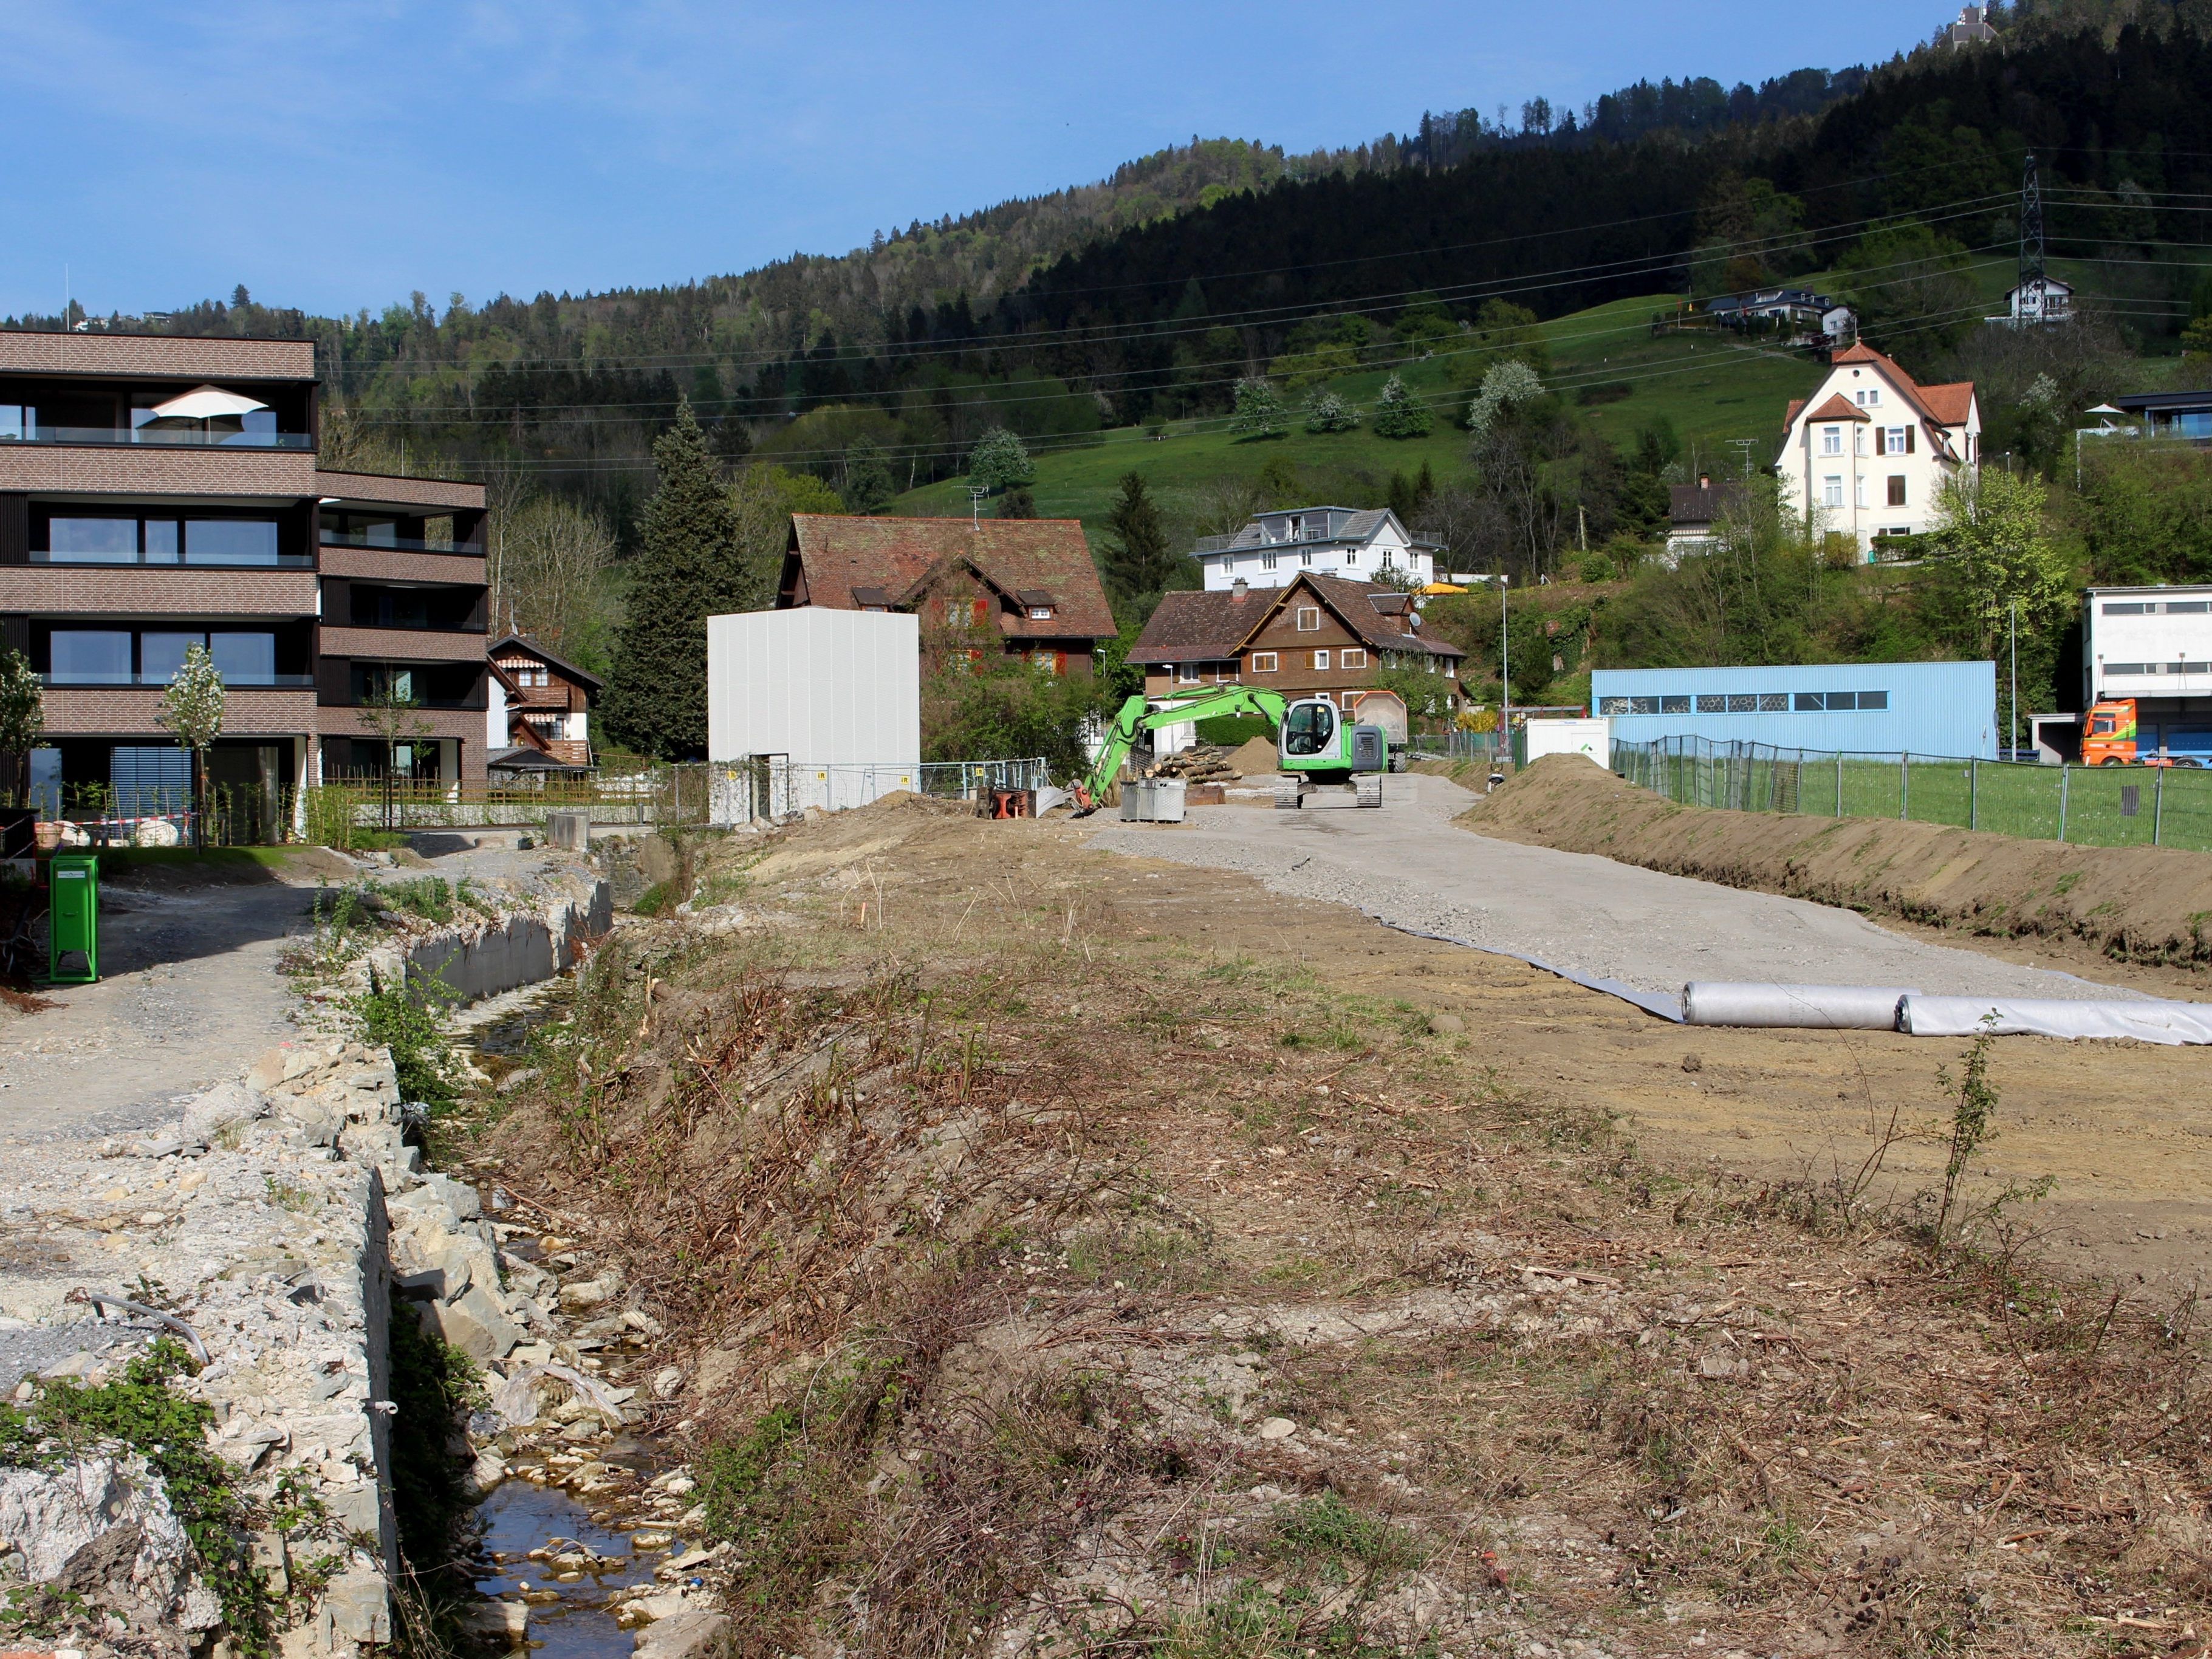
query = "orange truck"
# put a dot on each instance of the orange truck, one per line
(2108, 738)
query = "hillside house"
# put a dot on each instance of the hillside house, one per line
(1693, 510)
(1317, 636)
(2037, 301)
(1274, 548)
(539, 707)
(1864, 456)
(1024, 586)
(1799, 315)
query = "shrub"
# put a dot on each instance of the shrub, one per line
(1399, 413)
(1327, 412)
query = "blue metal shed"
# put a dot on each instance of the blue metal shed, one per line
(1859, 707)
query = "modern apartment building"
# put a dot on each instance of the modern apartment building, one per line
(158, 492)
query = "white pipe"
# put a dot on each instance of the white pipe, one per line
(1820, 1007)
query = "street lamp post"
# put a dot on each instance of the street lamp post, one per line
(1504, 677)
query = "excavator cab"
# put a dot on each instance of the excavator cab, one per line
(1308, 730)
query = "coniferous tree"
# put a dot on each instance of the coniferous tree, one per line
(690, 566)
(868, 486)
(1138, 560)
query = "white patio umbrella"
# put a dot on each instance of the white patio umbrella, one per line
(206, 403)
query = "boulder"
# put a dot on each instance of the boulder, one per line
(53, 1516)
(694, 1633)
(226, 1106)
(475, 1323)
(358, 1605)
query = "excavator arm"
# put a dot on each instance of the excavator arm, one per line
(1135, 719)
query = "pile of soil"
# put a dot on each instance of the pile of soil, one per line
(1254, 757)
(2144, 904)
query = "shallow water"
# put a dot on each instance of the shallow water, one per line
(508, 1036)
(520, 1517)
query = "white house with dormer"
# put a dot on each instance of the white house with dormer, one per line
(1360, 544)
(1865, 454)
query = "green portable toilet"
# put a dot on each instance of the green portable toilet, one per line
(73, 917)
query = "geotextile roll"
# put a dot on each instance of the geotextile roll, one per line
(1816, 1007)
(2143, 1019)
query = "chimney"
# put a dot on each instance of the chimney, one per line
(1705, 481)
(1240, 587)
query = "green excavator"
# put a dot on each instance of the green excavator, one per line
(1315, 746)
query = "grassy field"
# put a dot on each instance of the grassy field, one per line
(2089, 807)
(1715, 392)
(1606, 358)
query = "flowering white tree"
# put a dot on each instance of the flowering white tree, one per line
(192, 712)
(23, 717)
(1259, 411)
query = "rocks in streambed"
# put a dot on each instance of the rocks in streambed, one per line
(691, 1633)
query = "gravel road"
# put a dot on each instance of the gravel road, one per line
(1409, 866)
(191, 995)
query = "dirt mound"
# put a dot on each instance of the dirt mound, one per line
(1254, 757)
(2137, 903)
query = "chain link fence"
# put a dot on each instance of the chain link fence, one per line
(772, 788)
(2087, 806)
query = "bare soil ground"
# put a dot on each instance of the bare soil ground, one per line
(1080, 1255)
(2144, 906)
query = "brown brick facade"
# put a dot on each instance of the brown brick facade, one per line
(376, 565)
(130, 711)
(147, 590)
(402, 645)
(466, 724)
(125, 470)
(156, 354)
(400, 492)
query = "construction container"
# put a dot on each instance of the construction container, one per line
(1152, 800)
(73, 918)
(818, 687)
(1591, 739)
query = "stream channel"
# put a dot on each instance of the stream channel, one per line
(539, 1545)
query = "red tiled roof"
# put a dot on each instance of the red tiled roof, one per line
(1839, 408)
(902, 556)
(1193, 627)
(1939, 405)
(1950, 403)
(1212, 627)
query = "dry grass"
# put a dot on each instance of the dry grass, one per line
(999, 1239)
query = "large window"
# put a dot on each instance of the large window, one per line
(93, 541)
(121, 656)
(84, 538)
(91, 656)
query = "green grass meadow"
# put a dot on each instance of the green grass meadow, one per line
(1605, 359)
(2093, 806)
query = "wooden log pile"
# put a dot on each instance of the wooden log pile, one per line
(1206, 764)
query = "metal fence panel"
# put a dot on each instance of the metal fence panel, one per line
(2092, 806)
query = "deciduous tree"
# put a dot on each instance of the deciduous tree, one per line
(192, 712)
(1259, 411)
(1000, 462)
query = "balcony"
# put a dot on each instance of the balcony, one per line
(160, 682)
(395, 543)
(256, 561)
(146, 437)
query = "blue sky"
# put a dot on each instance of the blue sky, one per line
(337, 154)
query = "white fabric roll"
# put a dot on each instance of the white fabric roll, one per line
(1821, 1007)
(2145, 1020)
